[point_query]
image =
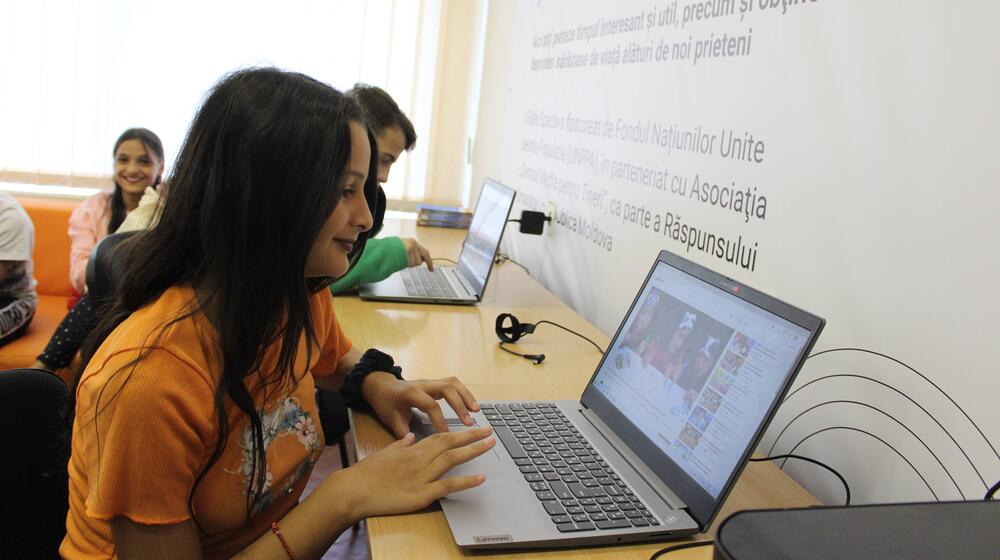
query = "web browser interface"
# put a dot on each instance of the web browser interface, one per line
(695, 369)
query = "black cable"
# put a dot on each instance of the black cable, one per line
(847, 488)
(992, 491)
(880, 411)
(535, 358)
(902, 394)
(571, 331)
(504, 257)
(444, 259)
(885, 443)
(670, 549)
(925, 378)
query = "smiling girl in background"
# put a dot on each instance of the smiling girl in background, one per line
(138, 167)
(138, 155)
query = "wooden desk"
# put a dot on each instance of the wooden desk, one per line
(438, 340)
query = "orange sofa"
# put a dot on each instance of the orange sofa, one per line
(51, 258)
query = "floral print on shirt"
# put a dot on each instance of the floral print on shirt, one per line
(286, 419)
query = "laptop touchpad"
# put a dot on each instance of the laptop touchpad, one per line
(421, 427)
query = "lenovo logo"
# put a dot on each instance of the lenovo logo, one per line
(493, 539)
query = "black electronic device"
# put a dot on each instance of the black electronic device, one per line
(532, 222)
(914, 531)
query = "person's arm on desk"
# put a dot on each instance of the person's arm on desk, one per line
(393, 400)
(401, 478)
(381, 258)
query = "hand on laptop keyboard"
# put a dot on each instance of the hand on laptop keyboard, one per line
(416, 254)
(406, 476)
(393, 401)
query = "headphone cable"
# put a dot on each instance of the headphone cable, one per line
(599, 349)
(536, 358)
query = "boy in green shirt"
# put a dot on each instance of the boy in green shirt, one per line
(393, 134)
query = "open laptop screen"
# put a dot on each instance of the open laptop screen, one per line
(694, 374)
(485, 231)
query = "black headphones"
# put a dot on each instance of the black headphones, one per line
(510, 330)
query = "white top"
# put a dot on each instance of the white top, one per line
(17, 241)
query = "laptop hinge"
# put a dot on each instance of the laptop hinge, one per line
(661, 489)
(462, 281)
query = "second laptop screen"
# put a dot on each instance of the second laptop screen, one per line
(485, 231)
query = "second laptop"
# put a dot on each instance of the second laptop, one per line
(465, 283)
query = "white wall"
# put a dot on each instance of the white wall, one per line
(877, 123)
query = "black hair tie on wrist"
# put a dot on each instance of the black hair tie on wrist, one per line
(373, 360)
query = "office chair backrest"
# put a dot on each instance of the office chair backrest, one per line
(34, 440)
(104, 269)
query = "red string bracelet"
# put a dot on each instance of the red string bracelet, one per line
(281, 539)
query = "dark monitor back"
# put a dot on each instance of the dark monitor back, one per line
(936, 530)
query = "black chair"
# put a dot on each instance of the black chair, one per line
(35, 443)
(103, 270)
(333, 418)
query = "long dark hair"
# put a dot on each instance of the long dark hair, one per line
(258, 175)
(153, 145)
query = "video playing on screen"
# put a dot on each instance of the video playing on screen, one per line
(695, 369)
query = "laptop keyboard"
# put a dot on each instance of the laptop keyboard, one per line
(578, 489)
(422, 282)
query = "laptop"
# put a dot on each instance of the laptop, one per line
(462, 284)
(661, 433)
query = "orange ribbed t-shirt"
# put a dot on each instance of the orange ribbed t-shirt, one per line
(143, 434)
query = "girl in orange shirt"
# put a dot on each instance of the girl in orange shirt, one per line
(195, 423)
